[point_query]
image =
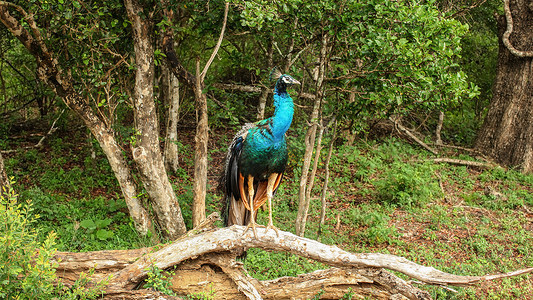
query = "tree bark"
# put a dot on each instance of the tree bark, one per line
(507, 132)
(51, 74)
(200, 151)
(145, 149)
(171, 137)
(5, 185)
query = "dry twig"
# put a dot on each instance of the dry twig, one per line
(412, 136)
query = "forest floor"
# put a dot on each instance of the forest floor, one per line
(385, 195)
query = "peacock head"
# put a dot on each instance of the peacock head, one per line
(287, 80)
(283, 81)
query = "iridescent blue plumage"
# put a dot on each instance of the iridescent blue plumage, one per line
(256, 160)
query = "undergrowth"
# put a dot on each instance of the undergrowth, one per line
(28, 270)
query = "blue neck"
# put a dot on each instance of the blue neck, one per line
(282, 118)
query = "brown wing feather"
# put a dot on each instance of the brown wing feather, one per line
(278, 181)
(243, 192)
(261, 195)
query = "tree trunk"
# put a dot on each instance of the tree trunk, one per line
(4, 180)
(171, 137)
(311, 179)
(303, 203)
(438, 138)
(122, 172)
(507, 133)
(200, 151)
(145, 149)
(196, 82)
(323, 198)
(61, 83)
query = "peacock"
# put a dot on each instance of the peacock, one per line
(256, 160)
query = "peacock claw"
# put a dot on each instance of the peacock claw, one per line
(253, 225)
(270, 225)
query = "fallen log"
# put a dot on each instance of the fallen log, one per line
(209, 258)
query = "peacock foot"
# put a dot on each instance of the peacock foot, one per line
(271, 225)
(253, 225)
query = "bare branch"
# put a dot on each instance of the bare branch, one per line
(252, 89)
(238, 87)
(411, 135)
(219, 42)
(40, 143)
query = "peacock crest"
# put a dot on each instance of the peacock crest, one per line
(275, 74)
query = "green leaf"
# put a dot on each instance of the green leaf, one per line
(88, 224)
(103, 234)
(102, 223)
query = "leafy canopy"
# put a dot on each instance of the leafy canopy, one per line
(395, 56)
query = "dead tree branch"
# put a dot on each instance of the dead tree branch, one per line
(412, 136)
(252, 89)
(232, 238)
(193, 256)
(462, 162)
(219, 42)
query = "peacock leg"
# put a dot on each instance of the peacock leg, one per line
(270, 191)
(251, 193)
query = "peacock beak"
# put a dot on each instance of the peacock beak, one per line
(294, 81)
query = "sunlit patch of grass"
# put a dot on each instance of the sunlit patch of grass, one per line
(264, 265)
(85, 224)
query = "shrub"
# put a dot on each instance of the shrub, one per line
(26, 268)
(406, 185)
(158, 280)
